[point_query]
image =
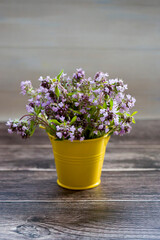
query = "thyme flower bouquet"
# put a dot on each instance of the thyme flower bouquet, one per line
(76, 108)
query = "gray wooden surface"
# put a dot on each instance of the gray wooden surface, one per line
(41, 37)
(125, 206)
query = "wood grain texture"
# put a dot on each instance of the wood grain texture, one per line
(41, 185)
(127, 65)
(144, 132)
(125, 206)
(45, 62)
(80, 220)
(105, 24)
(39, 38)
(23, 157)
(118, 36)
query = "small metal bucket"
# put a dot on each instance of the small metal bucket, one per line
(79, 163)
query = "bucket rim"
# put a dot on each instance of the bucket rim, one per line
(77, 141)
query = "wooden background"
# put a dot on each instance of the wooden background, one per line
(40, 37)
(126, 205)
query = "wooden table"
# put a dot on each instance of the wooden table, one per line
(125, 206)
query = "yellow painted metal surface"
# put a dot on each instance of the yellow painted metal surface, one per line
(79, 163)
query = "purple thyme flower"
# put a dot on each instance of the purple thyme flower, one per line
(101, 100)
(95, 132)
(76, 104)
(62, 118)
(40, 78)
(21, 127)
(79, 74)
(25, 86)
(101, 77)
(29, 108)
(80, 129)
(100, 126)
(61, 104)
(81, 138)
(102, 119)
(106, 130)
(83, 111)
(116, 120)
(59, 134)
(116, 133)
(71, 137)
(10, 131)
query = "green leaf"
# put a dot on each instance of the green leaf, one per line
(100, 107)
(48, 130)
(59, 75)
(75, 111)
(32, 131)
(92, 109)
(32, 127)
(127, 114)
(57, 92)
(55, 121)
(105, 105)
(72, 93)
(31, 124)
(111, 103)
(36, 110)
(73, 120)
(112, 123)
(133, 120)
(52, 126)
(134, 113)
(120, 114)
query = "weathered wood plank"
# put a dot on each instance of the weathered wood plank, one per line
(34, 62)
(80, 220)
(129, 65)
(41, 157)
(128, 48)
(41, 185)
(122, 39)
(133, 26)
(145, 132)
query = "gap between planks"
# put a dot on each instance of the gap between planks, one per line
(78, 200)
(111, 145)
(103, 170)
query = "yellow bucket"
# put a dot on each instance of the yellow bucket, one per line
(79, 163)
